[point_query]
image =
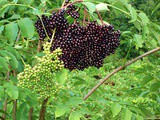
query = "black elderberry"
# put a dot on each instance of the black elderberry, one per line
(82, 46)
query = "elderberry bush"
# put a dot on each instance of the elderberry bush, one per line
(82, 46)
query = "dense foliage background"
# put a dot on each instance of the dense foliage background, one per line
(131, 94)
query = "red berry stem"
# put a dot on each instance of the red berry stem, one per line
(77, 1)
(84, 18)
(100, 17)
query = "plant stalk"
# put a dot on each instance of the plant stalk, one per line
(30, 114)
(43, 110)
(14, 109)
(5, 101)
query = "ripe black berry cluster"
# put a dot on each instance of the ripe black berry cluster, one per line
(82, 46)
(72, 10)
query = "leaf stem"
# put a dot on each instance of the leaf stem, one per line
(22, 61)
(14, 109)
(14, 4)
(6, 101)
(44, 27)
(76, 1)
(54, 31)
(100, 16)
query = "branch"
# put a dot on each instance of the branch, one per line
(14, 109)
(100, 17)
(5, 101)
(5, 109)
(39, 47)
(118, 69)
(43, 110)
(77, 1)
(2, 118)
(30, 114)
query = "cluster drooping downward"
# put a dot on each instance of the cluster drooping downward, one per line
(82, 46)
(39, 78)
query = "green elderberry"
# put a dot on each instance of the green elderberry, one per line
(40, 78)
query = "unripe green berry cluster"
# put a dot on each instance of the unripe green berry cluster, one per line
(40, 79)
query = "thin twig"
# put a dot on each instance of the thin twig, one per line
(77, 1)
(44, 27)
(4, 109)
(14, 102)
(18, 37)
(2, 118)
(63, 4)
(100, 17)
(84, 18)
(118, 69)
(39, 47)
(43, 110)
(54, 31)
(5, 101)
(14, 109)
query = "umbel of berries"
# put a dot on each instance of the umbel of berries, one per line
(40, 78)
(82, 46)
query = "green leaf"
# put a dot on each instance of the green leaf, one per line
(138, 40)
(12, 60)
(144, 18)
(125, 3)
(36, 12)
(127, 115)
(61, 110)
(115, 108)
(13, 51)
(145, 31)
(22, 95)
(1, 92)
(155, 86)
(27, 27)
(155, 33)
(91, 6)
(21, 112)
(156, 8)
(1, 29)
(102, 7)
(3, 66)
(154, 43)
(29, 2)
(78, 80)
(15, 1)
(75, 116)
(154, 26)
(3, 2)
(4, 112)
(62, 76)
(3, 10)
(11, 31)
(32, 98)
(11, 90)
(133, 13)
(137, 25)
(146, 79)
(15, 16)
(75, 101)
(139, 117)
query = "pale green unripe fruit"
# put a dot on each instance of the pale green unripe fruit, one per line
(40, 78)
